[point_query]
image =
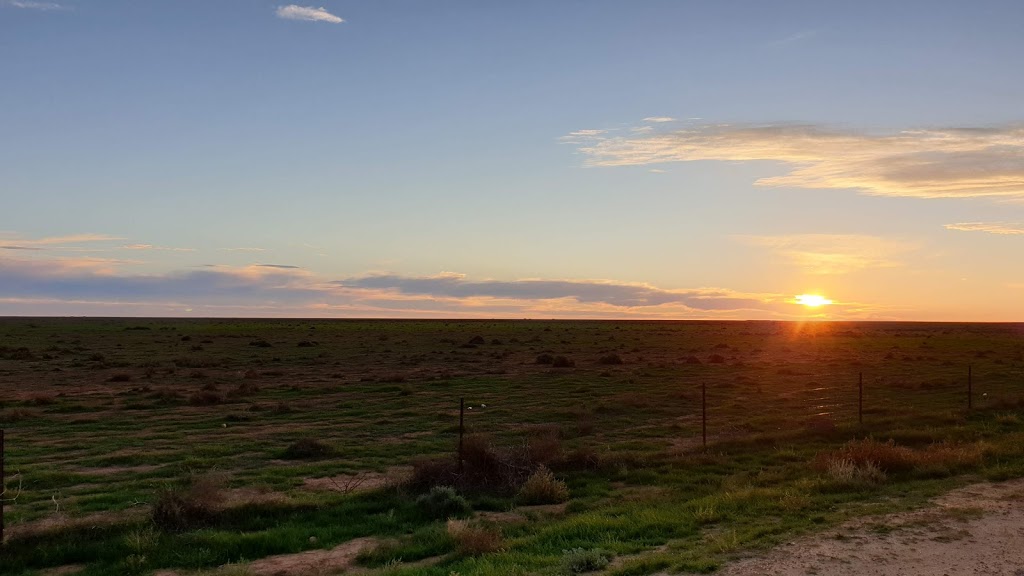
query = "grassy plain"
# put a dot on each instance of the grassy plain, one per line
(104, 415)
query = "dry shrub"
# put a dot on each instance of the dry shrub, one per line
(205, 398)
(848, 472)
(474, 538)
(888, 457)
(12, 415)
(545, 446)
(243, 389)
(543, 488)
(307, 449)
(43, 400)
(189, 507)
(562, 362)
(485, 467)
(610, 359)
(120, 377)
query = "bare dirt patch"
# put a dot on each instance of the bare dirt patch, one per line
(973, 530)
(112, 470)
(61, 521)
(361, 482)
(312, 561)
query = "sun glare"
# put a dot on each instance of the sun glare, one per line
(812, 300)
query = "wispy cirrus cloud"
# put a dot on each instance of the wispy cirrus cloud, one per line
(29, 5)
(835, 253)
(158, 248)
(659, 119)
(307, 13)
(931, 163)
(1001, 228)
(15, 242)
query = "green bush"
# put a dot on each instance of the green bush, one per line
(580, 560)
(443, 502)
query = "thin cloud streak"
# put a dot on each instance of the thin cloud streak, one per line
(307, 13)
(939, 163)
(835, 253)
(41, 6)
(1000, 228)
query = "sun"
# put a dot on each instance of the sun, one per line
(812, 300)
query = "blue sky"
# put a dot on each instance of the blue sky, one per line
(519, 159)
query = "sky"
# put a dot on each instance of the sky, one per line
(574, 159)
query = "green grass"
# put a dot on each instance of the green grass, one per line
(379, 394)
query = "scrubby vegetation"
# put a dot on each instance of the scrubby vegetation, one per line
(255, 438)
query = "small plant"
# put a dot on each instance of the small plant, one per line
(120, 377)
(580, 560)
(474, 538)
(610, 359)
(189, 507)
(563, 362)
(307, 449)
(848, 472)
(545, 359)
(443, 502)
(543, 488)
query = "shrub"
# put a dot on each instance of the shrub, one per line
(120, 377)
(888, 457)
(610, 359)
(307, 449)
(579, 560)
(188, 507)
(562, 362)
(543, 488)
(545, 359)
(205, 398)
(848, 472)
(443, 502)
(474, 538)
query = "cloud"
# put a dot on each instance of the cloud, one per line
(279, 266)
(43, 6)
(56, 241)
(1002, 228)
(659, 119)
(835, 253)
(307, 13)
(19, 248)
(244, 249)
(611, 293)
(938, 163)
(152, 247)
(95, 286)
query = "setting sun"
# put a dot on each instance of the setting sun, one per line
(812, 300)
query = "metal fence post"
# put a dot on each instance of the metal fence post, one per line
(970, 389)
(3, 487)
(704, 412)
(462, 429)
(860, 399)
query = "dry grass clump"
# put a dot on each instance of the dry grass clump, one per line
(205, 398)
(610, 359)
(871, 457)
(475, 538)
(542, 488)
(307, 449)
(189, 507)
(485, 467)
(848, 472)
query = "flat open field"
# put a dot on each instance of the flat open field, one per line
(311, 447)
